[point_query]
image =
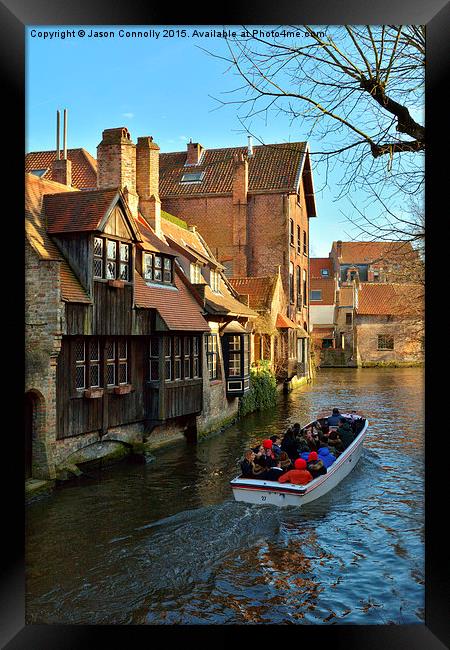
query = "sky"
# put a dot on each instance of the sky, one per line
(160, 86)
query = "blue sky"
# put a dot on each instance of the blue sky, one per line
(161, 87)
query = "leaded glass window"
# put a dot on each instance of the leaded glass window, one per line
(154, 358)
(111, 259)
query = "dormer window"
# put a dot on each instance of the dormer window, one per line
(157, 268)
(214, 281)
(111, 259)
(196, 273)
(324, 273)
(192, 177)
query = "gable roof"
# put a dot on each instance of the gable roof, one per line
(177, 307)
(41, 242)
(271, 167)
(84, 166)
(383, 299)
(318, 263)
(260, 290)
(358, 252)
(84, 211)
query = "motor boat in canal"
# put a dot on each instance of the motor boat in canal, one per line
(253, 490)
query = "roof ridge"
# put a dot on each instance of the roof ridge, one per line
(243, 147)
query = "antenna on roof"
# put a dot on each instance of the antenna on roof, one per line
(65, 135)
(57, 135)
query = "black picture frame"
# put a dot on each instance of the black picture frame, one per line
(15, 15)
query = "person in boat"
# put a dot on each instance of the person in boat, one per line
(285, 462)
(326, 456)
(271, 458)
(298, 476)
(309, 438)
(249, 468)
(315, 465)
(333, 419)
(345, 432)
(335, 443)
(276, 445)
(289, 444)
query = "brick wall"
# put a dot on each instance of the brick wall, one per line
(406, 333)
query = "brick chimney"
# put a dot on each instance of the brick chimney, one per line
(116, 164)
(339, 248)
(194, 151)
(62, 171)
(240, 178)
(147, 181)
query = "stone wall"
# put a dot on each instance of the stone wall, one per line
(407, 340)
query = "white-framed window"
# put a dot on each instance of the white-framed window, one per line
(157, 268)
(324, 273)
(214, 281)
(196, 273)
(111, 259)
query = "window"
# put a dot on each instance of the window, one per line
(291, 282)
(376, 276)
(304, 284)
(196, 273)
(157, 268)
(211, 355)
(111, 259)
(316, 294)
(324, 273)
(299, 290)
(299, 238)
(291, 231)
(385, 342)
(93, 356)
(348, 319)
(154, 358)
(214, 281)
(181, 358)
(305, 245)
(234, 356)
(192, 177)
(292, 344)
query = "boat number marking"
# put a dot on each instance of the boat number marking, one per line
(263, 498)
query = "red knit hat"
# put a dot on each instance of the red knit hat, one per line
(313, 455)
(267, 444)
(300, 463)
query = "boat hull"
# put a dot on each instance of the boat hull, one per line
(286, 494)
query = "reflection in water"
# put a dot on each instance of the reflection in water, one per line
(165, 543)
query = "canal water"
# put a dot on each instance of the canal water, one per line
(165, 543)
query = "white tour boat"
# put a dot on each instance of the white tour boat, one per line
(253, 490)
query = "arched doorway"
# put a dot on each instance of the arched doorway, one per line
(30, 433)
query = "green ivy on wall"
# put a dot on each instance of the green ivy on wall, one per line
(262, 393)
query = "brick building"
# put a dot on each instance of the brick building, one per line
(116, 332)
(252, 205)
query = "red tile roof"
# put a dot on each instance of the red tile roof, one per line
(327, 287)
(380, 299)
(41, 242)
(357, 252)
(272, 167)
(177, 307)
(224, 303)
(84, 166)
(284, 322)
(318, 263)
(259, 290)
(77, 211)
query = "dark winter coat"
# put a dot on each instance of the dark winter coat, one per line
(316, 468)
(345, 433)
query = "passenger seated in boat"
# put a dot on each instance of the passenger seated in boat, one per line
(276, 445)
(335, 443)
(315, 465)
(249, 468)
(325, 455)
(297, 476)
(333, 420)
(289, 444)
(285, 462)
(345, 433)
(309, 437)
(271, 459)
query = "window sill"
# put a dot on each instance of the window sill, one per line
(117, 284)
(123, 389)
(93, 393)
